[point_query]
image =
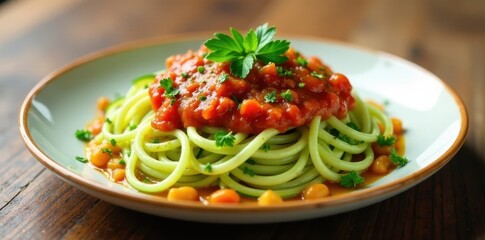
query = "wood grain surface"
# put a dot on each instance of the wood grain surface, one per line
(446, 37)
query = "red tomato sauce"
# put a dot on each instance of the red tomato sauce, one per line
(280, 96)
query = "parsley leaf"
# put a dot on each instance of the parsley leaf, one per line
(270, 97)
(287, 96)
(224, 138)
(317, 75)
(170, 91)
(266, 147)
(107, 150)
(250, 161)
(248, 171)
(284, 72)
(82, 159)
(208, 167)
(84, 135)
(112, 142)
(351, 179)
(301, 61)
(223, 77)
(243, 51)
(383, 141)
(396, 159)
(353, 126)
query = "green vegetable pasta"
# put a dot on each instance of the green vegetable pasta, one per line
(250, 164)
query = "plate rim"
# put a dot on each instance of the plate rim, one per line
(157, 201)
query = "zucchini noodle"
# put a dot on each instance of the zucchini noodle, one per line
(283, 162)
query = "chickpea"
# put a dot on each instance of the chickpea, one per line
(224, 196)
(269, 198)
(119, 174)
(115, 164)
(316, 190)
(183, 193)
(381, 150)
(397, 125)
(96, 125)
(102, 103)
(100, 157)
(381, 165)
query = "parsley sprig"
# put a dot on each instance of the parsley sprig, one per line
(396, 159)
(385, 141)
(351, 180)
(224, 138)
(84, 135)
(243, 51)
(170, 91)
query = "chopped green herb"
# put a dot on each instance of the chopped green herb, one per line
(284, 72)
(335, 132)
(199, 153)
(128, 153)
(108, 121)
(251, 161)
(224, 138)
(396, 159)
(122, 162)
(167, 84)
(353, 126)
(82, 159)
(156, 140)
(107, 150)
(351, 180)
(248, 171)
(266, 147)
(184, 74)
(301, 84)
(84, 135)
(133, 127)
(146, 180)
(385, 141)
(113, 142)
(317, 75)
(270, 97)
(202, 98)
(301, 61)
(223, 77)
(200, 69)
(208, 167)
(287, 96)
(242, 51)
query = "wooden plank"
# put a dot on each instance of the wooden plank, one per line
(45, 209)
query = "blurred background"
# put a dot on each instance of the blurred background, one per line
(447, 37)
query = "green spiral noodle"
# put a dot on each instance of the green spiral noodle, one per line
(284, 162)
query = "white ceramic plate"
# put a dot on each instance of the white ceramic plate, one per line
(435, 119)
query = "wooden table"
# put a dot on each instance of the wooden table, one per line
(445, 37)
